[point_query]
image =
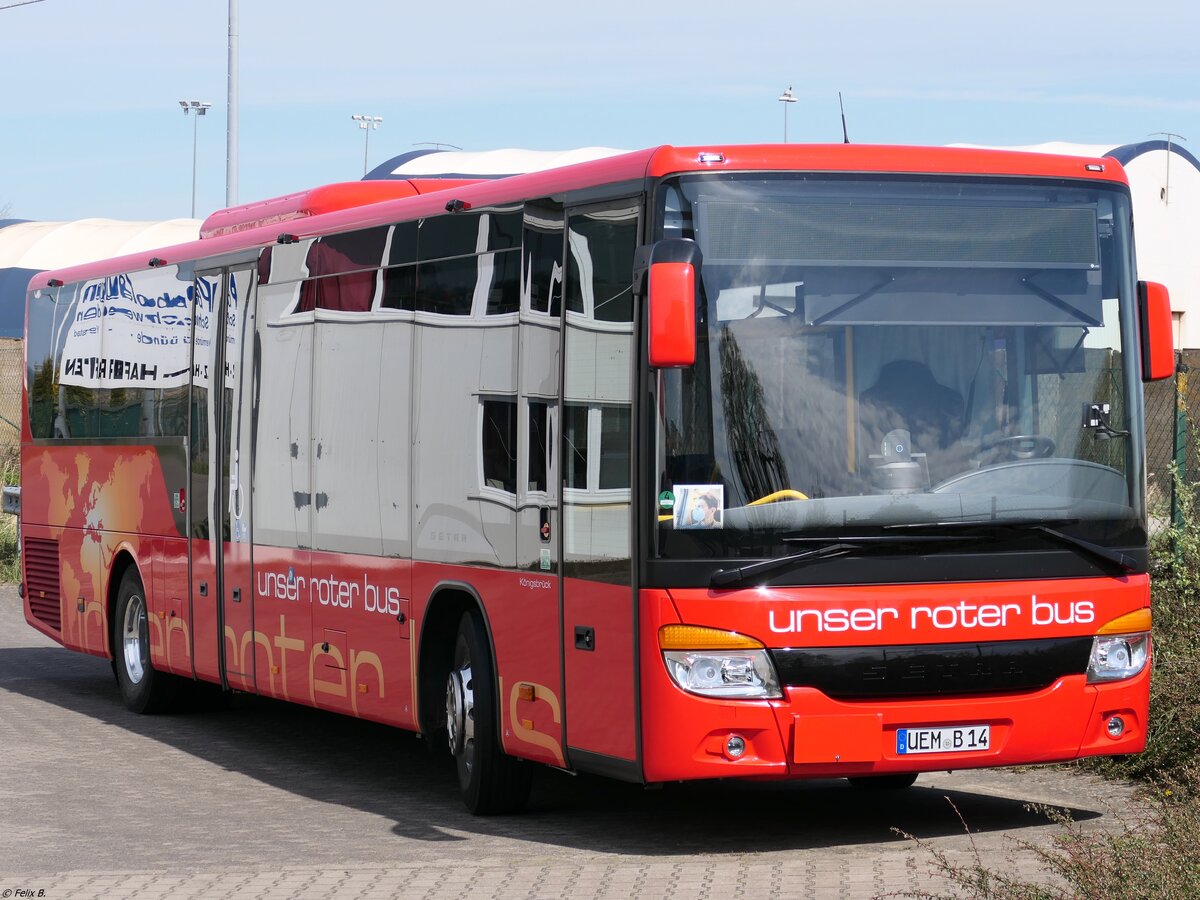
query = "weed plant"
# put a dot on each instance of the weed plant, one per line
(10, 561)
(1173, 744)
(1157, 856)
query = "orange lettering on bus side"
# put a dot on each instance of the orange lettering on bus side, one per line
(260, 638)
(285, 643)
(359, 658)
(530, 735)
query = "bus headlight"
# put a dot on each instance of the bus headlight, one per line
(1117, 656)
(714, 663)
(1121, 647)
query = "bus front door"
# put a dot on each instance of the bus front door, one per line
(599, 614)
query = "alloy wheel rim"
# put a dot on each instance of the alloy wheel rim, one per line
(460, 713)
(134, 627)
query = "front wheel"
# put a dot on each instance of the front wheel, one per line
(143, 688)
(491, 780)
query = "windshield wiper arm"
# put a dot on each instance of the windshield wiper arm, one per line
(1114, 558)
(841, 546)
(729, 577)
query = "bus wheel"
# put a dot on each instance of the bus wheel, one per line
(491, 780)
(143, 689)
(883, 782)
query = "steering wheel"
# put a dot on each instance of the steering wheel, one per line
(1021, 446)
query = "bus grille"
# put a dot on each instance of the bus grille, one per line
(41, 582)
(933, 670)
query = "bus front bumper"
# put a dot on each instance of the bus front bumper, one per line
(807, 734)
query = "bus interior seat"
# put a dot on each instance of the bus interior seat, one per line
(906, 395)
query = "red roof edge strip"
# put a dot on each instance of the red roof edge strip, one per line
(301, 205)
(884, 159)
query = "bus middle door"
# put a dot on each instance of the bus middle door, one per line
(222, 407)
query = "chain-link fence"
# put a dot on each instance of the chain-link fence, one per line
(1171, 405)
(11, 365)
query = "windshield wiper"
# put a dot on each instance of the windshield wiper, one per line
(1114, 558)
(840, 547)
(728, 577)
(940, 532)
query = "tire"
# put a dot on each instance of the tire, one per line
(883, 782)
(492, 782)
(143, 688)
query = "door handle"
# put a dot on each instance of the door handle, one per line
(204, 589)
(585, 638)
(237, 595)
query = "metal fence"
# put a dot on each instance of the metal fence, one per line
(11, 376)
(1171, 406)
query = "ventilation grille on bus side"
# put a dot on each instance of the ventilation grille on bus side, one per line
(41, 582)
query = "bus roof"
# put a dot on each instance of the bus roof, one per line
(335, 208)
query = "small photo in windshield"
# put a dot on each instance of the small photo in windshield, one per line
(699, 505)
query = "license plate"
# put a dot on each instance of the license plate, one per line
(959, 739)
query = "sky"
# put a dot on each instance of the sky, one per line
(90, 123)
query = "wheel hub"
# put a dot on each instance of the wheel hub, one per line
(460, 710)
(132, 640)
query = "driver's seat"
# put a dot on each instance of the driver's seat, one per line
(907, 396)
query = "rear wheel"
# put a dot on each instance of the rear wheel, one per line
(491, 780)
(883, 782)
(143, 688)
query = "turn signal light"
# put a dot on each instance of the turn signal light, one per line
(697, 637)
(1131, 623)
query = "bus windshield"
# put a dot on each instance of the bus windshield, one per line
(880, 352)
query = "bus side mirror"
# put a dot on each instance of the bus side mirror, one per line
(1154, 312)
(671, 303)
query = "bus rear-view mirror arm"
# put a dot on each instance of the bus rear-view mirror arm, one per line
(668, 271)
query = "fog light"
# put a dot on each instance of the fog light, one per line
(735, 746)
(1116, 727)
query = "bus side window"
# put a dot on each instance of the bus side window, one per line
(499, 444)
(542, 243)
(539, 437)
(400, 288)
(342, 271)
(447, 286)
(504, 292)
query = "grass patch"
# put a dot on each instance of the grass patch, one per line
(10, 561)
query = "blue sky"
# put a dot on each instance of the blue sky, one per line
(90, 123)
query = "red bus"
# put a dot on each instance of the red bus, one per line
(773, 462)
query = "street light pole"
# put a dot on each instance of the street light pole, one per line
(199, 108)
(231, 119)
(785, 98)
(367, 124)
